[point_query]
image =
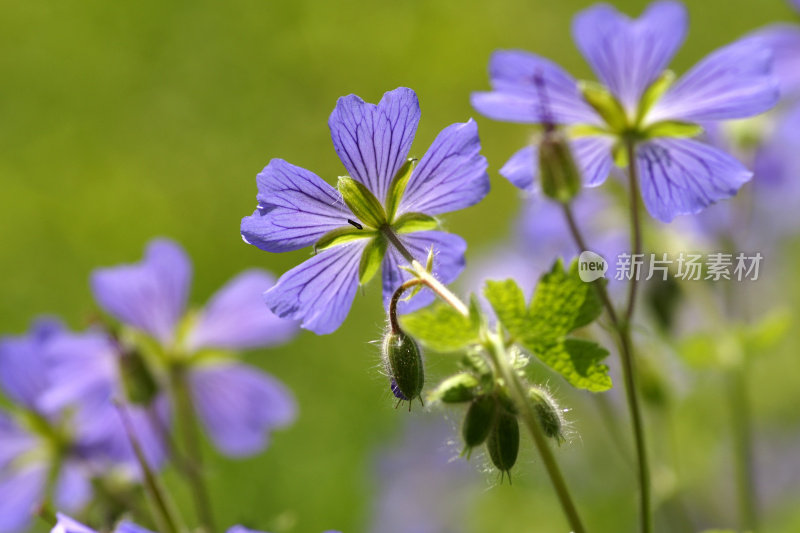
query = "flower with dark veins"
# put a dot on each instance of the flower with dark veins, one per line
(380, 217)
(639, 103)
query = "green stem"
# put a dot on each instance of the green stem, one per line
(626, 351)
(187, 419)
(496, 349)
(636, 226)
(423, 274)
(166, 518)
(743, 447)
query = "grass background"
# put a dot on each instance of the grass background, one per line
(122, 121)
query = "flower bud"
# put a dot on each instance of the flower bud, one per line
(549, 414)
(138, 382)
(559, 174)
(478, 422)
(403, 362)
(460, 388)
(503, 443)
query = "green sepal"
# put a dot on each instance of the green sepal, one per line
(605, 104)
(398, 187)
(341, 236)
(561, 304)
(672, 128)
(585, 130)
(411, 222)
(653, 94)
(371, 259)
(361, 202)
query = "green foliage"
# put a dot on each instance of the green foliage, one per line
(706, 350)
(561, 304)
(443, 329)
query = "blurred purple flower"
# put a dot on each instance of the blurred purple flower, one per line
(678, 175)
(541, 236)
(35, 442)
(296, 208)
(421, 489)
(238, 404)
(65, 524)
(85, 370)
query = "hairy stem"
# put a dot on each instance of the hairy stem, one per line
(497, 351)
(422, 273)
(193, 464)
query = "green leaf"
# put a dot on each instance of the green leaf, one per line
(341, 236)
(508, 302)
(362, 202)
(411, 222)
(441, 328)
(605, 104)
(561, 304)
(672, 128)
(767, 332)
(371, 259)
(565, 302)
(398, 187)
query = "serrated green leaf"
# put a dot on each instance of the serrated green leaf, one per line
(398, 187)
(508, 302)
(361, 202)
(411, 222)
(341, 236)
(564, 301)
(371, 259)
(441, 328)
(560, 304)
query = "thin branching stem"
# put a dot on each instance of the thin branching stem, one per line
(622, 327)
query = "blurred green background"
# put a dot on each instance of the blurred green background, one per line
(121, 121)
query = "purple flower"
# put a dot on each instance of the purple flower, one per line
(85, 369)
(639, 102)
(297, 209)
(35, 441)
(421, 488)
(65, 524)
(238, 404)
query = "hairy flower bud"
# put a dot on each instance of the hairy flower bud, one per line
(139, 383)
(549, 414)
(478, 421)
(559, 174)
(503, 443)
(404, 365)
(459, 388)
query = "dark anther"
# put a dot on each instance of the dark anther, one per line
(354, 223)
